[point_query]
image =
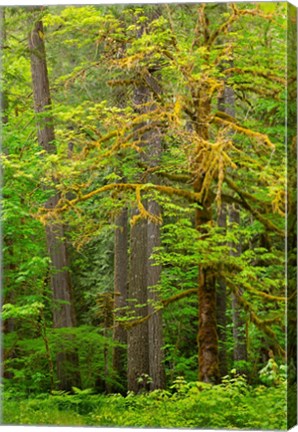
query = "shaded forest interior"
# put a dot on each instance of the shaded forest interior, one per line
(149, 196)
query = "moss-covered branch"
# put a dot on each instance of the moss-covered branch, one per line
(236, 14)
(265, 221)
(247, 195)
(255, 72)
(168, 190)
(163, 303)
(261, 324)
(241, 129)
(182, 178)
(266, 295)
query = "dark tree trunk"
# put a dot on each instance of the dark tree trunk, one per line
(120, 292)
(157, 373)
(137, 336)
(208, 339)
(121, 266)
(207, 332)
(63, 313)
(239, 333)
(226, 103)
(155, 327)
(149, 233)
(41, 89)
(221, 308)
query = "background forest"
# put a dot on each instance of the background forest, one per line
(144, 215)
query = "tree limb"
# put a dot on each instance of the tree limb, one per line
(165, 302)
(265, 221)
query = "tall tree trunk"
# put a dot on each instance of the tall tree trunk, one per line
(121, 265)
(137, 336)
(239, 334)
(63, 313)
(221, 307)
(155, 327)
(149, 238)
(156, 357)
(207, 333)
(120, 291)
(145, 236)
(226, 104)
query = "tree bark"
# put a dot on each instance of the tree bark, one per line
(221, 307)
(239, 336)
(155, 327)
(226, 103)
(63, 312)
(137, 337)
(121, 266)
(207, 332)
(120, 292)
(149, 238)
(156, 357)
(240, 351)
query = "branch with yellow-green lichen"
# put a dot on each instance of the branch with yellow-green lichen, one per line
(64, 204)
(261, 324)
(241, 129)
(163, 303)
(265, 221)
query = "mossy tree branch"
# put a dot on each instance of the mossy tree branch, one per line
(261, 324)
(163, 303)
(265, 221)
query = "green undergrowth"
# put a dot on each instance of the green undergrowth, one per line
(231, 405)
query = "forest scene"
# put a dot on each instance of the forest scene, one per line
(149, 215)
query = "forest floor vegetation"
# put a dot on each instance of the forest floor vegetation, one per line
(231, 405)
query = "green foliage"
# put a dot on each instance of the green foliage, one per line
(97, 57)
(233, 404)
(89, 343)
(21, 312)
(273, 374)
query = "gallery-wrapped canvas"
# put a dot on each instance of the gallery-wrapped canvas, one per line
(149, 215)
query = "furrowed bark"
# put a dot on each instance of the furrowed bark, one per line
(239, 336)
(155, 327)
(145, 93)
(121, 267)
(221, 307)
(207, 333)
(137, 337)
(63, 313)
(120, 291)
(226, 104)
(156, 357)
